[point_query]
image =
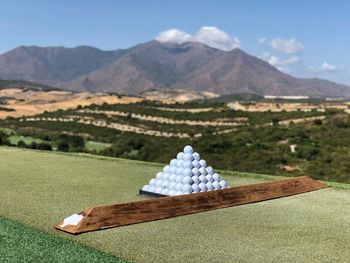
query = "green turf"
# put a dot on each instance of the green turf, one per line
(97, 146)
(21, 243)
(14, 139)
(41, 188)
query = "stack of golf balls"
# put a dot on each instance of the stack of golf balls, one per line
(186, 174)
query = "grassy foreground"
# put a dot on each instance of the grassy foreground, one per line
(20, 243)
(41, 188)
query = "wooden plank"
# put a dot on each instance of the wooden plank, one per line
(107, 216)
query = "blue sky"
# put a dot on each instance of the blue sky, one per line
(302, 38)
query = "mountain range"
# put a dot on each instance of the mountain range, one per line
(157, 66)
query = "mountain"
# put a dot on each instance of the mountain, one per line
(25, 85)
(158, 66)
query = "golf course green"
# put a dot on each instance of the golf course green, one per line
(38, 189)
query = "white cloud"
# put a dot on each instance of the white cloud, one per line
(287, 46)
(261, 40)
(325, 67)
(211, 36)
(174, 36)
(292, 60)
(277, 62)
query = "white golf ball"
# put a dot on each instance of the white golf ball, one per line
(173, 169)
(195, 188)
(159, 183)
(152, 189)
(166, 169)
(178, 179)
(202, 178)
(172, 177)
(216, 185)
(195, 179)
(178, 187)
(188, 157)
(210, 170)
(159, 175)
(164, 192)
(165, 176)
(195, 171)
(180, 163)
(202, 187)
(179, 193)
(209, 178)
(187, 164)
(202, 171)
(209, 186)
(173, 162)
(180, 156)
(187, 180)
(145, 188)
(186, 188)
(223, 184)
(179, 171)
(172, 185)
(196, 164)
(165, 184)
(187, 172)
(171, 192)
(202, 163)
(158, 190)
(188, 149)
(196, 156)
(216, 176)
(152, 182)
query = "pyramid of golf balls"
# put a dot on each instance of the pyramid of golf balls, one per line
(186, 174)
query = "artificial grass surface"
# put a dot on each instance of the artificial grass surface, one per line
(41, 188)
(21, 243)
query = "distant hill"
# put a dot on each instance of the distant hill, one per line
(26, 85)
(158, 66)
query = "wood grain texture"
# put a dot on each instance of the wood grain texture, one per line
(107, 216)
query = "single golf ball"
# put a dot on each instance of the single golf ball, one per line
(216, 176)
(202, 171)
(216, 185)
(187, 164)
(152, 189)
(209, 178)
(180, 156)
(178, 187)
(178, 179)
(195, 179)
(195, 171)
(186, 188)
(166, 169)
(172, 185)
(202, 187)
(179, 193)
(187, 172)
(180, 163)
(196, 164)
(152, 182)
(145, 188)
(179, 171)
(165, 176)
(210, 170)
(188, 149)
(187, 180)
(196, 156)
(202, 163)
(159, 183)
(172, 192)
(172, 177)
(209, 186)
(158, 190)
(165, 184)
(223, 184)
(173, 162)
(188, 157)
(172, 169)
(195, 188)
(164, 192)
(202, 178)
(159, 175)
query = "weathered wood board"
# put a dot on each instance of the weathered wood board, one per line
(107, 216)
